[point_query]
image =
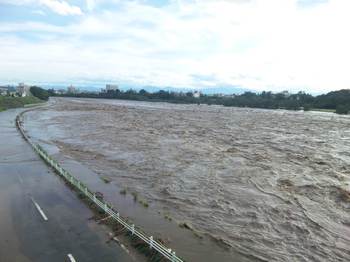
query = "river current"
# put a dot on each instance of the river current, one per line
(270, 184)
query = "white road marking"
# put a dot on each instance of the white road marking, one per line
(39, 209)
(20, 179)
(70, 256)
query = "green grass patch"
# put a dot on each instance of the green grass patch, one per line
(123, 191)
(135, 196)
(106, 180)
(323, 110)
(168, 217)
(7, 102)
(144, 203)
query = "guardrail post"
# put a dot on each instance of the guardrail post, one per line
(105, 207)
(86, 190)
(94, 197)
(173, 258)
(132, 229)
(151, 242)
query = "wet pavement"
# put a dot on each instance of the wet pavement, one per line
(24, 234)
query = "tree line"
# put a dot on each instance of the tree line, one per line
(339, 101)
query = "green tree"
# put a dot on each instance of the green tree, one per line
(39, 93)
(342, 109)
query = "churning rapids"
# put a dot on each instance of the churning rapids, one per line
(271, 184)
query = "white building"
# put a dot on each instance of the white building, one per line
(72, 90)
(196, 94)
(285, 93)
(111, 87)
(60, 91)
(23, 90)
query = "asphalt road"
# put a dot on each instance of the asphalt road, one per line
(27, 186)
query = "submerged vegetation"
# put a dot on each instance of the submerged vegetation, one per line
(338, 101)
(144, 203)
(106, 180)
(136, 197)
(123, 191)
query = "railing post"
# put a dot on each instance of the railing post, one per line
(94, 197)
(151, 242)
(173, 258)
(132, 229)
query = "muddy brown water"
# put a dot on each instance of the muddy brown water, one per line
(265, 184)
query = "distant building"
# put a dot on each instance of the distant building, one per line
(3, 91)
(230, 95)
(72, 90)
(111, 87)
(8, 91)
(23, 90)
(285, 93)
(179, 94)
(196, 94)
(60, 91)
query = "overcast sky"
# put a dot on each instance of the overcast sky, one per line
(257, 44)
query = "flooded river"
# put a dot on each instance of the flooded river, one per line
(270, 185)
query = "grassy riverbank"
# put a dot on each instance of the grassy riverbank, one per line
(7, 102)
(323, 110)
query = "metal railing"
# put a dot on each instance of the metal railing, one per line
(153, 244)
